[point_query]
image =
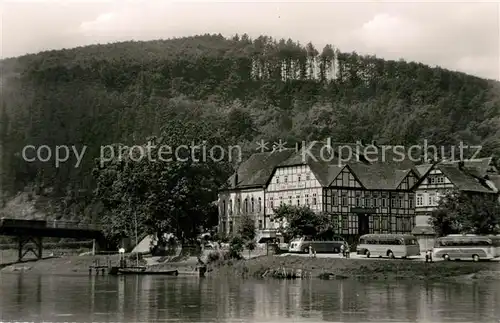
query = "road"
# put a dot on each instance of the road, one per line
(356, 256)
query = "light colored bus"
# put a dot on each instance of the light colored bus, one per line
(466, 247)
(301, 245)
(388, 245)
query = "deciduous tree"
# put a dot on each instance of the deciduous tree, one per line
(301, 221)
(465, 212)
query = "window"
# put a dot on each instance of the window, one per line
(277, 179)
(400, 201)
(345, 223)
(307, 199)
(281, 200)
(298, 178)
(374, 201)
(308, 177)
(238, 206)
(420, 200)
(384, 223)
(230, 226)
(259, 206)
(358, 201)
(286, 178)
(345, 202)
(290, 200)
(246, 205)
(253, 205)
(376, 222)
(433, 180)
(271, 202)
(223, 208)
(298, 200)
(230, 209)
(431, 199)
(384, 201)
(393, 201)
(367, 202)
(410, 201)
(399, 224)
(314, 199)
(260, 224)
(334, 200)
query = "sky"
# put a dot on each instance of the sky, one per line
(461, 36)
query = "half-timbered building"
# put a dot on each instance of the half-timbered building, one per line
(361, 197)
(244, 191)
(373, 198)
(476, 176)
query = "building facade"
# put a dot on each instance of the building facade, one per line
(361, 208)
(439, 179)
(244, 194)
(361, 196)
(292, 185)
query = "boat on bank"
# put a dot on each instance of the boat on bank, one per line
(148, 271)
(141, 271)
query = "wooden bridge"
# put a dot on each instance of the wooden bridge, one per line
(33, 231)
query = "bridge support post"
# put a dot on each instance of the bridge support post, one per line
(37, 250)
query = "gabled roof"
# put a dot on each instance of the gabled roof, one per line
(463, 179)
(480, 165)
(256, 170)
(423, 169)
(495, 180)
(379, 176)
(386, 170)
(324, 164)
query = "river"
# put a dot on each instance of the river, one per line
(29, 297)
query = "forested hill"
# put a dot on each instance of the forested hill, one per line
(245, 88)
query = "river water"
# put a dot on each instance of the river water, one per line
(29, 297)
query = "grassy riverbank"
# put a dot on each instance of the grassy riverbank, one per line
(329, 268)
(60, 265)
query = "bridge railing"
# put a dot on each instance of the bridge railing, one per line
(72, 225)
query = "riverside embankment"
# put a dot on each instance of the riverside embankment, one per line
(275, 266)
(338, 268)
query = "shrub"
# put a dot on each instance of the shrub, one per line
(213, 257)
(236, 247)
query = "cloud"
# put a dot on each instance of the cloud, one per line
(387, 32)
(105, 21)
(463, 36)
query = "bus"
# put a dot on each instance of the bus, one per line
(466, 247)
(496, 244)
(388, 245)
(301, 245)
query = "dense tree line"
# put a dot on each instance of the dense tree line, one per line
(245, 88)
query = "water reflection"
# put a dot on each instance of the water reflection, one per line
(149, 299)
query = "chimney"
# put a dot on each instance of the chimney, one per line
(235, 183)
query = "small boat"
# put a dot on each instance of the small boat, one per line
(130, 271)
(141, 271)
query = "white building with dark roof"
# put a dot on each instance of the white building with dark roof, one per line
(475, 176)
(244, 193)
